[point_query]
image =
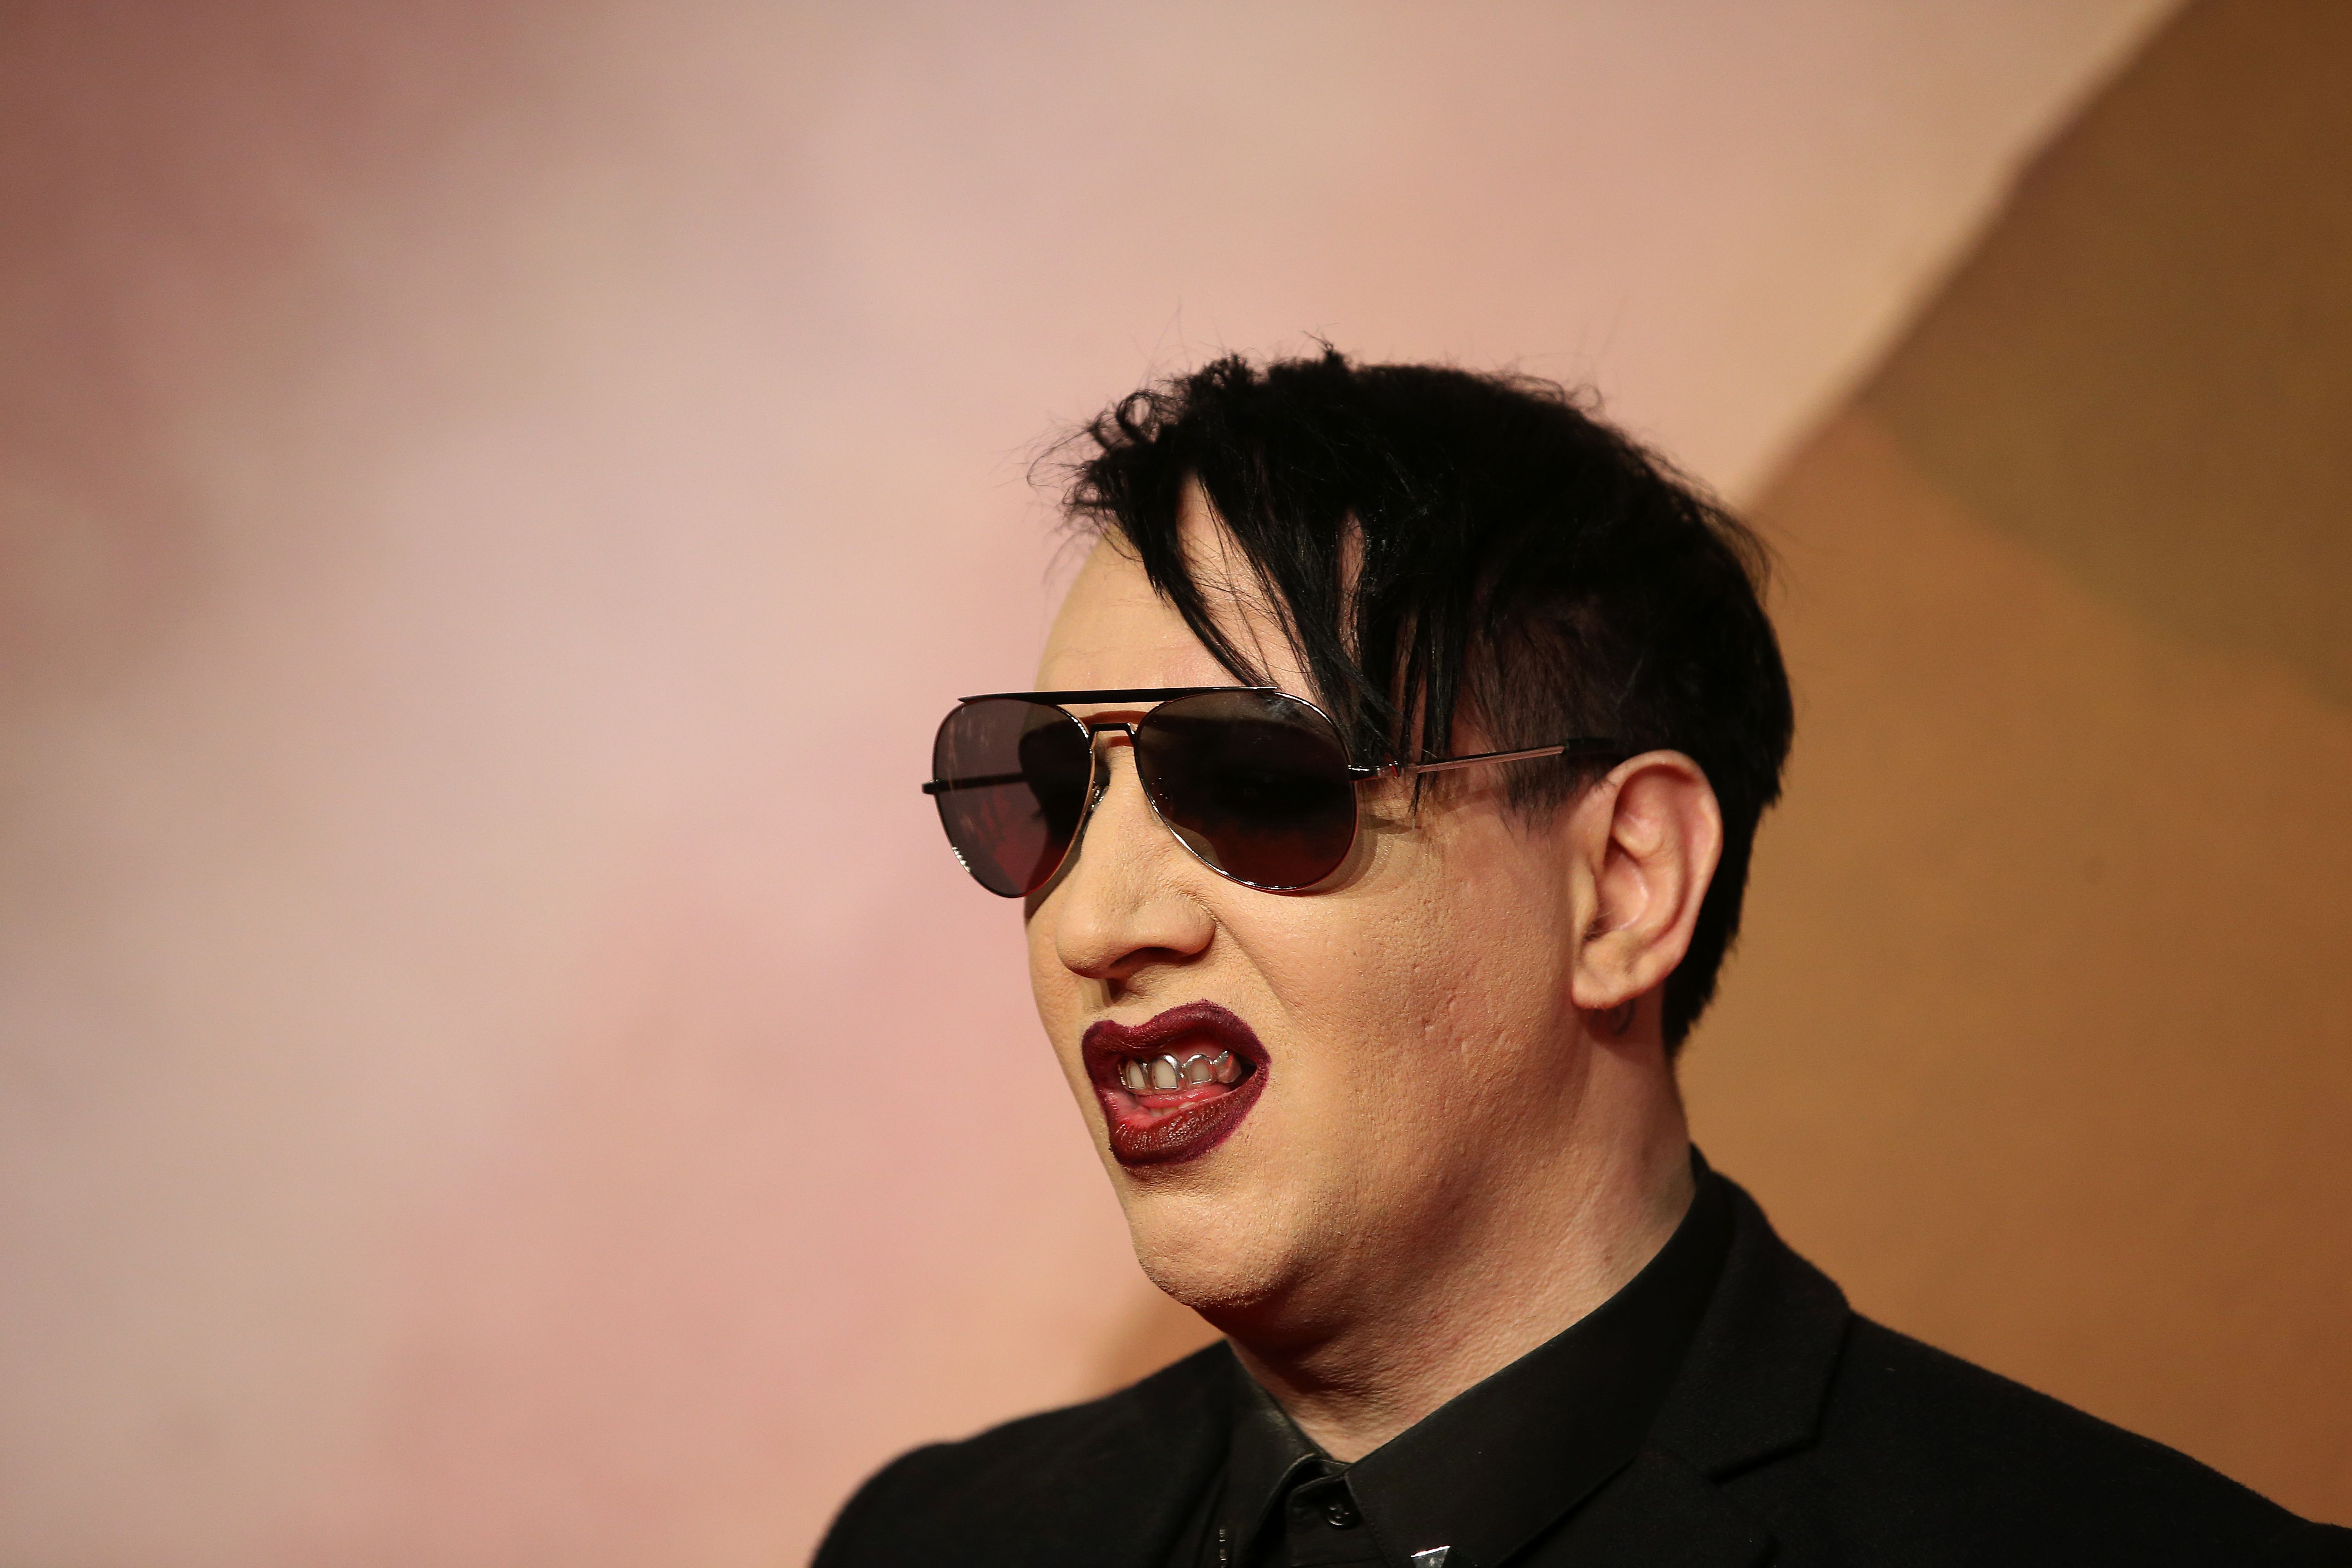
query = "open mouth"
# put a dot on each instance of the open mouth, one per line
(1175, 1086)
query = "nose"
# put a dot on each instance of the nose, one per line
(1128, 902)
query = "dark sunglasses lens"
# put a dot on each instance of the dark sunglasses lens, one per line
(1254, 783)
(1011, 781)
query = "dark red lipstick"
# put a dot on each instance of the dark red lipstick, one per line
(1174, 1086)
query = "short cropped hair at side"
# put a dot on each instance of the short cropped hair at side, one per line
(1440, 543)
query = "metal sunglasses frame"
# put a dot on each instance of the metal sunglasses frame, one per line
(1580, 745)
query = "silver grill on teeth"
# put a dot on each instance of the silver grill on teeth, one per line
(1169, 1072)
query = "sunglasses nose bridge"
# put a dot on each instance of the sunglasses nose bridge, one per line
(1098, 760)
(1097, 733)
(1100, 783)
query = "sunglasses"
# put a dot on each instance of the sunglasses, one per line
(1255, 783)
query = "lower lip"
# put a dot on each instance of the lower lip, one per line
(1173, 1126)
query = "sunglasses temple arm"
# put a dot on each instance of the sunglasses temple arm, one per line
(1582, 745)
(982, 781)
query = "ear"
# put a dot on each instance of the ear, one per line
(1651, 833)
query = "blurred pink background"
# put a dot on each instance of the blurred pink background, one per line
(499, 1066)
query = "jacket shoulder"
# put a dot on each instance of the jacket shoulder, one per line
(1034, 1488)
(1923, 1458)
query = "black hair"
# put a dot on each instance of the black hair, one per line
(1438, 542)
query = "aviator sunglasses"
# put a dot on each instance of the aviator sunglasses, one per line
(1255, 783)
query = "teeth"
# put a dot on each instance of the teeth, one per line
(1166, 1072)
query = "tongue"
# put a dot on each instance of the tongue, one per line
(1176, 1098)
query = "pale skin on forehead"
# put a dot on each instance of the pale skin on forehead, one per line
(1115, 630)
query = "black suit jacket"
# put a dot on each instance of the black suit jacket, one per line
(1796, 1433)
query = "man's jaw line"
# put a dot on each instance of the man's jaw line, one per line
(1175, 1086)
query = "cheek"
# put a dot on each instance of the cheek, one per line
(1460, 993)
(1060, 999)
(1048, 981)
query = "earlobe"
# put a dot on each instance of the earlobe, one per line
(1654, 850)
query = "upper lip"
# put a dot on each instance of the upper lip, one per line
(1108, 1043)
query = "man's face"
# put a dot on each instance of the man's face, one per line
(1422, 1053)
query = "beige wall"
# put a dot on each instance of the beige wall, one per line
(498, 1065)
(2037, 1040)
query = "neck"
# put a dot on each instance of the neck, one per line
(1530, 1256)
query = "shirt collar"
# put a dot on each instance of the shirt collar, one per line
(1503, 1461)
(1268, 1457)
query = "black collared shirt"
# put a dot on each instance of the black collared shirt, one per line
(1487, 1474)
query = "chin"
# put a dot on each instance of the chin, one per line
(1224, 1265)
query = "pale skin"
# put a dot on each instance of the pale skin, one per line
(1470, 1134)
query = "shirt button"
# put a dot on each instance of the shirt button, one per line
(1340, 1514)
